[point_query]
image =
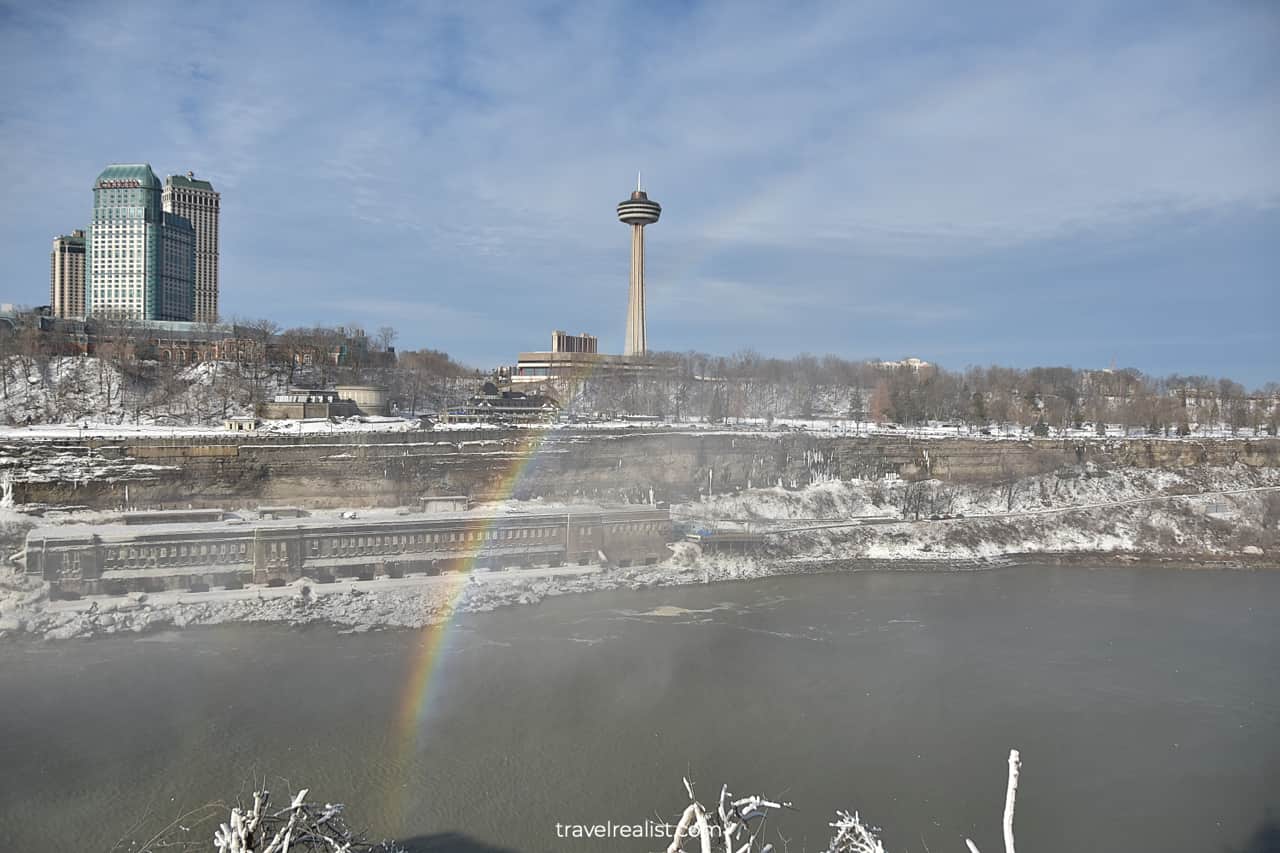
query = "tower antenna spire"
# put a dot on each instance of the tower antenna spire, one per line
(637, 180)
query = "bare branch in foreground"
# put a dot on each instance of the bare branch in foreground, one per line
(299, 827)
(735, 825)
(1010, 799)
(1011, 795)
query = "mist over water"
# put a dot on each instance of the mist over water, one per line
(1146, 704)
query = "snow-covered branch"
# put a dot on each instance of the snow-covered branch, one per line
(299, 827)
(720, 831)
(1010, 799)
(1011, 795)
(736, 825)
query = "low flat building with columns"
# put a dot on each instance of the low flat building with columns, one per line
(535, 367)
(572, 358)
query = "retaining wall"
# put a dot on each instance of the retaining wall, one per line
(391, 469)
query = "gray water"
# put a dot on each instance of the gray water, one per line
(1146, 705)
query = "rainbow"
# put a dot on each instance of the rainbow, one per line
(414, 700)
(422, 681)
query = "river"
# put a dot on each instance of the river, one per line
(1145, 703)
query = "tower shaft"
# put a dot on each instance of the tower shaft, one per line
(636, 342)
(637, 211)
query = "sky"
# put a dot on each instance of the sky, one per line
(1081, 184)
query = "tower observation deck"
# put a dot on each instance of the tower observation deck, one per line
(637, 211)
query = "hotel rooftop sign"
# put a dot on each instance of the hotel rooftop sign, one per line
(120, 184)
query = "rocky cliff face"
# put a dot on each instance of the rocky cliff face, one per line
(396, 469)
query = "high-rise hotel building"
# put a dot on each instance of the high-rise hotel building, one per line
(139, 259)
(197, 202)
(66, 275)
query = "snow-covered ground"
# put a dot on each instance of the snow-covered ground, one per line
(410, 602)
(837, 427)
(312, 426)
(1074, 486)
(995, 432)
(75, 396)
(98, 429)
(72, 389)
(1194, 513)
(1227, 514)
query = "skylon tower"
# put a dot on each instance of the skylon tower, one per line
(637, 211)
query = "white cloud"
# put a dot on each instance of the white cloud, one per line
(493, 143)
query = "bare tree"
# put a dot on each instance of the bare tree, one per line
(260, 333)
(736, 825)
(8, 346)
(914, 495)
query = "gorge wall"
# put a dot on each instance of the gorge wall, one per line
(392, 469)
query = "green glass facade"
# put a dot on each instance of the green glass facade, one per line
(177, 270)
(139, 263)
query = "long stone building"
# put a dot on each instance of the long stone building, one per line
(114, 559)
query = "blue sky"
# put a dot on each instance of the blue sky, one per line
(969, 183)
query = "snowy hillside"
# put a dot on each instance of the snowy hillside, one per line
(70, 390)
(1201, 513)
